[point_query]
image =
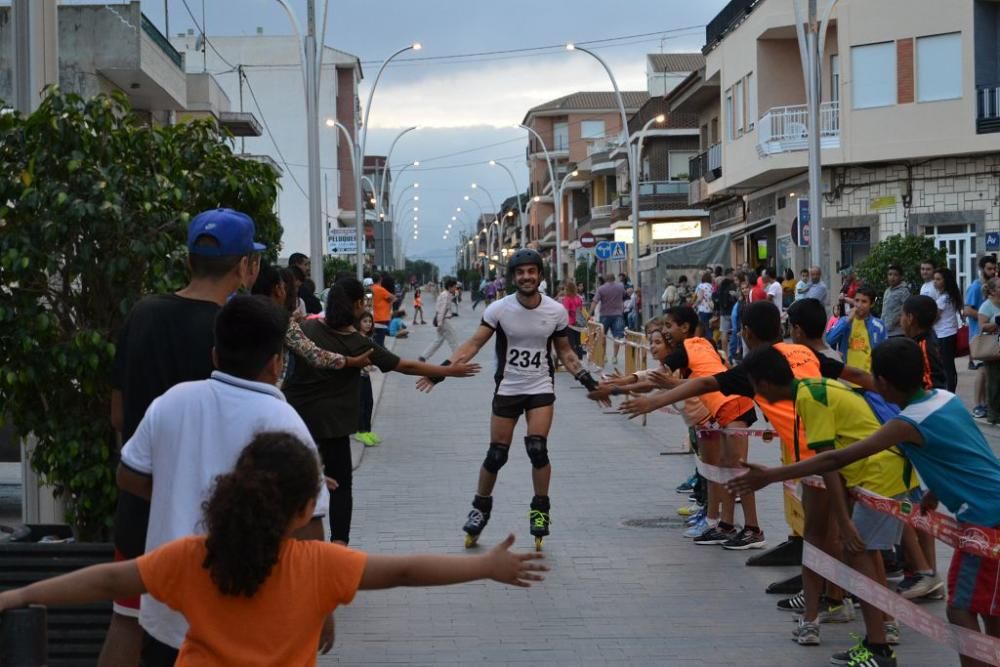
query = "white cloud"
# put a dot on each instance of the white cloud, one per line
(496, 94)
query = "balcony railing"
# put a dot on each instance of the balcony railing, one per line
(785, 129)
(650, 188)
(601, 211)
(707, 165)
(162, 42)
(988, 109)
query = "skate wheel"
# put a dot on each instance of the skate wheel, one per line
(470, 541)
(538, 544)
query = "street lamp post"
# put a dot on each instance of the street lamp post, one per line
(632, 161)
(562, 186)
(310, 83)
(517, 199)
(556, 197)
(476, 186)
(360, 151)
(385, 167)
(810, 27)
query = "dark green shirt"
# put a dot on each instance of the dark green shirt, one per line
(329, 401)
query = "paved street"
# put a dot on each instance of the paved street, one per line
(616, 594)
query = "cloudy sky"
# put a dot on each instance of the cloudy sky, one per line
(467, 107)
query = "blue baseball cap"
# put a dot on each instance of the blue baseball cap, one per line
(234, 231)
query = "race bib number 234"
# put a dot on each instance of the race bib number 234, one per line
(524, 359)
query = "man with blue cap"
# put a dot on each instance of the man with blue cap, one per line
(167, 339)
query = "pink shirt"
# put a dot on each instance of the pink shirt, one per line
(572, 304)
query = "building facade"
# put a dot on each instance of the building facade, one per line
(909, 129)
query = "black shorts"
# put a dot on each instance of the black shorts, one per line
(512, 407)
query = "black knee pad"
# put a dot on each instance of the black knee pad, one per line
(496, 457)
(538, 451)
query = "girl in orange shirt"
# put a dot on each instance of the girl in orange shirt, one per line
(251, 593)
(418, 307)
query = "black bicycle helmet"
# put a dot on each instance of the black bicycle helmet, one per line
(524, 257)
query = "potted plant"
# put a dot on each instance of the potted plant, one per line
(94, 208)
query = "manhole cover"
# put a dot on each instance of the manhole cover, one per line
(655, 522)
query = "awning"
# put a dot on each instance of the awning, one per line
(713, 250)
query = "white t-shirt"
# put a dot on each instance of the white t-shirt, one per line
(703, 296)
(947, 322)
(525, 363)
(188, 436)
(928, 289)
(774, 293)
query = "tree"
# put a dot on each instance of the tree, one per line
(907, 252)
(94, 210)
(334, 266)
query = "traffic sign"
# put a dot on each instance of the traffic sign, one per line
(993, 241)
(618, 250)
(587, 240)
(603, 250)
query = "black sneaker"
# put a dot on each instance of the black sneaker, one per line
(715, 535)
(796, 603)
(747, 538)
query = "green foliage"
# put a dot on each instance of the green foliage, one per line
(905, 251)
(334, 266)
(93, 215)
(424, 271)
(585, 275)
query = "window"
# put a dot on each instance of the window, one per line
(751, 101)
(835, 78)
(873, 70)
(679, 164)
(560, 133)
(738, 108)
(592, 129)
(939, 67)
(730, 134)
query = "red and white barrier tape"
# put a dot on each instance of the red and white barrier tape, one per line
(712, 431)
(717, 474)
(973, 644)
(976, 540)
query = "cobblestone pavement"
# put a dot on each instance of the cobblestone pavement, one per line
(615, 595)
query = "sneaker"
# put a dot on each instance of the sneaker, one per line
(835, 612)
(374, 437)
(845, 657)
(796, 603)
(918, 585)
(979, 412)
(892, 634)
(746, 539)
(697, 528)
(715, 535)
(696, 517)
(687, 486)
(363, 439)
(689, 510)
(895, 576)
(866, 658)
(806, 633)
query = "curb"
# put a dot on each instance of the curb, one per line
(378, 382)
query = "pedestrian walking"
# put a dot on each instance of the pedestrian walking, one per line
(948, 297)
(167, 339)
(573, 304)
(329, 401)
(445, 332)
(610, 298)
(249, 591)
(418, 307)
(530, 326)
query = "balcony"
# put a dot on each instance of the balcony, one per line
(786, 129)
(652, 188)
(706, 166)
(599, 212)
(988, 109)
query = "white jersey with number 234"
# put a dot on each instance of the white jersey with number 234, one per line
(525, 365)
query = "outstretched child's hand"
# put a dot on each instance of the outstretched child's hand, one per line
(425, 385)
(512, 568)
(637, 406)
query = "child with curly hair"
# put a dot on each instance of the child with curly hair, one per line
(251, 593)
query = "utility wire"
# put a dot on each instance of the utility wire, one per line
(204, 36)
(274, 141)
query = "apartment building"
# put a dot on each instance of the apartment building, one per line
(572, 127)
(379, 228)
(909, 129)
(262, 73)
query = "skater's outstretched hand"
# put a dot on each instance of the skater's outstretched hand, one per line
(516, 569)
(460, 369)
(425, 385)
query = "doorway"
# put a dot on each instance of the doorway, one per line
(959, 241)
(855, 244)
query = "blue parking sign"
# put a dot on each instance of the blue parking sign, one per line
(993, 240)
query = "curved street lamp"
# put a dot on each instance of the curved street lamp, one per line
(517, 200)
(632, 161)
(556, 196)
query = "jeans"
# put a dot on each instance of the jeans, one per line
(948, 346)
(706, 326)
(336, 456)
(367, 404)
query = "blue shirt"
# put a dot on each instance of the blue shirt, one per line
(396, 325)
(955, 461)
(974, 297)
